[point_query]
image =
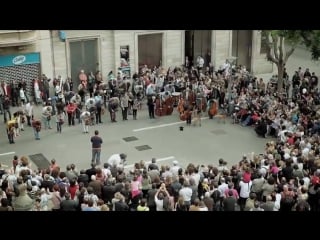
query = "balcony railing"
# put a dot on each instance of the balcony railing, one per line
(10, 38)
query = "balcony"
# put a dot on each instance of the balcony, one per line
(10, 38)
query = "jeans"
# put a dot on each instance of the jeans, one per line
(96, 155)
(5, 113)
(36, 134)
(59, 128)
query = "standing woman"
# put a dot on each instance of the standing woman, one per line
(22, 96)
(60, 117)
(37, 91)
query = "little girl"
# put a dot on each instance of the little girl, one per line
(135, 106)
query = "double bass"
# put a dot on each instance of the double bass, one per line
(168, 106)
(180, 109)
(213, 108)
(158, 107)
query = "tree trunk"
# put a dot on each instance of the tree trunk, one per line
(280, 67)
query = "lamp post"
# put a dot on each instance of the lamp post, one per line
(230, 60)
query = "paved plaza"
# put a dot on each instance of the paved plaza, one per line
(145, 138)
(140, 139)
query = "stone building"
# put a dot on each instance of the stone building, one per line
(25, 54)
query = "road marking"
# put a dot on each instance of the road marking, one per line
(148, 162)
(162, 125)
(8, 153)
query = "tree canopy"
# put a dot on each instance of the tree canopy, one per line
(277, 40)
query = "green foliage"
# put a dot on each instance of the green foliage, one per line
(307, 38)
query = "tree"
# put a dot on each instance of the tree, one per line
(276, 41)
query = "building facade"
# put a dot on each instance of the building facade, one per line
(66, 52)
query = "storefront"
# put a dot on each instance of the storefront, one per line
(15, 68)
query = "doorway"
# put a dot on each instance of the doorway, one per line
(242, 47)
(198, 43)
(150, 50)
(83, 55)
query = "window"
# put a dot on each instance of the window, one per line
(263, 46)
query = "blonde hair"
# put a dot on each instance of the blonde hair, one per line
(104, 207)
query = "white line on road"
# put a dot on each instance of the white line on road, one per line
(8, 153)
(162, 125)
(158, 160)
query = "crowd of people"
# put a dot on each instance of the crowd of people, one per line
(284, 177)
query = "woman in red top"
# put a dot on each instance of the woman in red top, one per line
(73, 188)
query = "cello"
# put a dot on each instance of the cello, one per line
(158, 106)
(213, 108)
(168, 105)
(180, 108)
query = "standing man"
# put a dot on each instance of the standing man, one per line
(46, 117)
(124, 103)
(96, 141)
(6, 109)
(151, 102)
(98, 104)
(29, 112)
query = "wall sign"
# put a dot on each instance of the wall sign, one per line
(21, 59)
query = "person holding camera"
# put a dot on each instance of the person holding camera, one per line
(46, 117)
(162, 199)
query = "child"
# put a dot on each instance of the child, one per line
(197, 116)
(135, 106)
(11, 130)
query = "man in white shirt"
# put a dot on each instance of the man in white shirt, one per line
(117, 159)
(29, 112)
(186, 193)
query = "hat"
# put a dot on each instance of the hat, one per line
(175, 162)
